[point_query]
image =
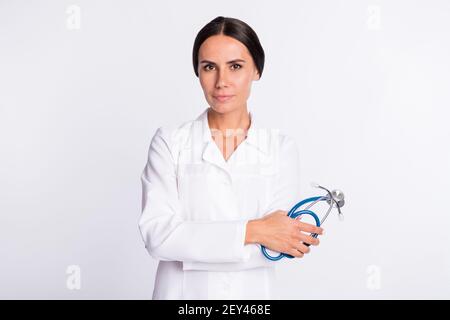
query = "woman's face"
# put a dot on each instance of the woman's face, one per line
(226, 71)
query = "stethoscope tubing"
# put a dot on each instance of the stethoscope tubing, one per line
(294, 215)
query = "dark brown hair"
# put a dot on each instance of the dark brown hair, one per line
(236, 29)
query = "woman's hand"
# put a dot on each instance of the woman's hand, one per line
(276, 231)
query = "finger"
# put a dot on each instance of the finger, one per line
(302, 248)
(294, 252)
(308, 239)
(309, 227)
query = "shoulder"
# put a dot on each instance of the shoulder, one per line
(172, 137)
(284, 142)
(175, 134)
(286, 139)
(286, 153)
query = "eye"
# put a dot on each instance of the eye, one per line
(207, 66)
(238, 66)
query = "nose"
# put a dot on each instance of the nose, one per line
(222, 78)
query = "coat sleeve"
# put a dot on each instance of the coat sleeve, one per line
(166, 235)
(285, 191)
(283, 196)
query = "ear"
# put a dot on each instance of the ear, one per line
(256, 75)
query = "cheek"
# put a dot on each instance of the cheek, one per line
(205, 82)
(244, 82)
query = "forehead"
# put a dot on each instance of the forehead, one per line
(221, 47)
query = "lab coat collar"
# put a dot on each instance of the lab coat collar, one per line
(257, 137)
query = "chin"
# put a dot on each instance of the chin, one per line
(220, 108)
(223, 107)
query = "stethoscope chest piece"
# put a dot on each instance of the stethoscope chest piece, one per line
(335, 199)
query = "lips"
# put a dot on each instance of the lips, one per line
(223, 98)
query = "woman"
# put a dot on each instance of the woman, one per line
(218, 187)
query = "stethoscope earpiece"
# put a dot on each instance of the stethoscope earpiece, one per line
(335, 199)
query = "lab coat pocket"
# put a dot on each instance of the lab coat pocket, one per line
(254, 186)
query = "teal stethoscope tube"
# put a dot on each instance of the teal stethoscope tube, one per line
(294, 214)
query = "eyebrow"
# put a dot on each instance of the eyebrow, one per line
(229, 62)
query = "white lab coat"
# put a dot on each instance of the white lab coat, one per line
(196, 205)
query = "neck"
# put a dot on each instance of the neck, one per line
(234, 120)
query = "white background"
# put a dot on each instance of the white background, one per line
(363, 86)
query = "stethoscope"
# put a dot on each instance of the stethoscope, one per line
(334, 198)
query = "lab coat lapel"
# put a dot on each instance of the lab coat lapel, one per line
(211, 152)
(257, 141)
